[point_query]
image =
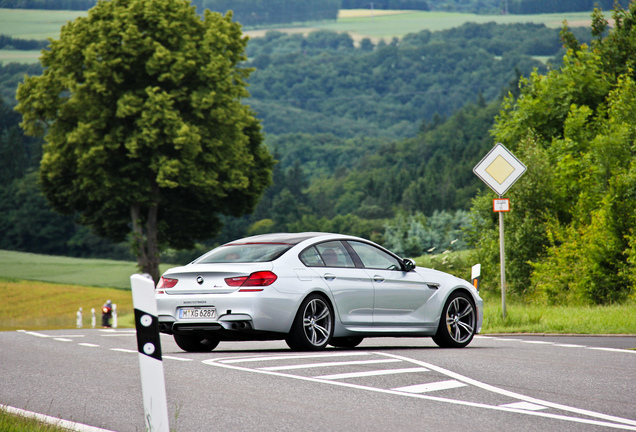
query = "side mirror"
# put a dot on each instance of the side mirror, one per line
(408, 264)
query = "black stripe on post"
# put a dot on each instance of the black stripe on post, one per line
(148, 341)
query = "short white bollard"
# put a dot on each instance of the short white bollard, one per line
(114, 315)
(153, 386)
(93, 319)
(475, 275)
(79, 318)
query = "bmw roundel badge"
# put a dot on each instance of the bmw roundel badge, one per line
(200, 280)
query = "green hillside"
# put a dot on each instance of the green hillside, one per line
(67, 270)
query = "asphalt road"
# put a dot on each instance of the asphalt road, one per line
(520, 383)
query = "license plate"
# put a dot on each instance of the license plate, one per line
(200, 312)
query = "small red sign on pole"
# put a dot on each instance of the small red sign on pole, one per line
(501, 205)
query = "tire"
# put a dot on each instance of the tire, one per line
(346, 342)
(196, 342)
(313, 326)
(457, 322)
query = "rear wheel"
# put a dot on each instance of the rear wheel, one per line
(457, 323)
(313, 325)
(196, 342)
(346, 342)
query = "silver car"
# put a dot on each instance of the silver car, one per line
(312, 290)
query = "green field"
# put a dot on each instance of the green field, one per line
(65, 270)
(389, 26)
(35, 24)
(40, 24)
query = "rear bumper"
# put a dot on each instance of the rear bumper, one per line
(265, 311)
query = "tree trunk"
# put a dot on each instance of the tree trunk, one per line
(145, 241)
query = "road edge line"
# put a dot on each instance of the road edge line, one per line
(66, 424)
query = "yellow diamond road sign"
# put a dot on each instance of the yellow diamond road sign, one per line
(500, 169)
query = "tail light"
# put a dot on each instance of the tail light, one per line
(165, 283)
(256, 279)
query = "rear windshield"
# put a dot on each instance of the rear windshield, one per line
(244, 253)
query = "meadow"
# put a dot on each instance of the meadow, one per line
(360, 23)
(42, 292)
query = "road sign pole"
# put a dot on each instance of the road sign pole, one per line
(500, 169)
(502, 264)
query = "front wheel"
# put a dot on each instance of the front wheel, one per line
(195, 343)
(457, 322)
(313, 325)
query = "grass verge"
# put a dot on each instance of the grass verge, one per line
(15, 423)
(523, 318)
(29, 305)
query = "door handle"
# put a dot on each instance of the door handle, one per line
(329, 277)
(378, 279)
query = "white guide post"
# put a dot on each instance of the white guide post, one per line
(153, 386)
(114, 315)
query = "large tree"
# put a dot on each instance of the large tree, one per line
(146, 135)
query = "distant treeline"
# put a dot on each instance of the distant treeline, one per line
(48, 4)
(8, 42)
(263, 12)
(386, 4)
(551, 6)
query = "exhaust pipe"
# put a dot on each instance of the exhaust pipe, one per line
(241, 326)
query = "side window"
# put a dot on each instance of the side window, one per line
(372, 257)
(311, 258)
(334, 254)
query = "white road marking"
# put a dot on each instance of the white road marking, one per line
(290, 357)
(119, 335)
(524, 406)
(88, 345)
(124, 350)
(519, 396)
(429, 387)
(328, 364)
(63, 339)
(570, 345)
(117, 331)
(611, 349)
(607, 420)
(42, 335)
(177, 358)
(372, 373)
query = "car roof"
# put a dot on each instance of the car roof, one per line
(284, 238)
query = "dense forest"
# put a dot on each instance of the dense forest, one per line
(322, 83)
(374, 140)
(551, 6)
(267, 12)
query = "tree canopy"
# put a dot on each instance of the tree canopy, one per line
(140, 106)
(572, 231)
